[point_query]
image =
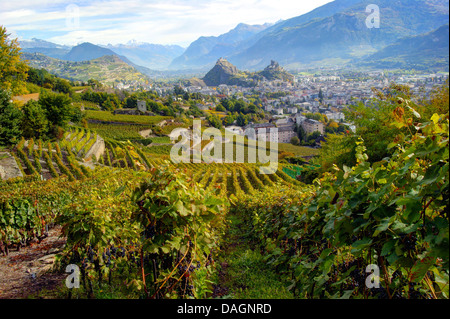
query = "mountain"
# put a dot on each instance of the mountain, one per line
(426, 51)
(38, 43)
(205, 51)
(47, 48)
(337, 32)
(152, 56)
(109, 69)
(87, 51)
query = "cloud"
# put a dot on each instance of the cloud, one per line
(155, 21)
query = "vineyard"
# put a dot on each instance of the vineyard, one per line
(139, 226)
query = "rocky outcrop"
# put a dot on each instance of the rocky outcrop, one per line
(275, 72)
(221, 73)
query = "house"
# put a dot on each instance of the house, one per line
(268, 108)
(286, 133)
(310, 126)
(265, 131)
(299, 119)
(292, 110)
(279, 111)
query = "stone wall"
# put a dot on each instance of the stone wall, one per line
(8, 167)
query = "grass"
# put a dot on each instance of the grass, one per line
(118, 132)
(106, 116)
(242, 271)
(161, 140)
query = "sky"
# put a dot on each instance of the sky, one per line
(152, 21)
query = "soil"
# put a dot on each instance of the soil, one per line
(27, 273)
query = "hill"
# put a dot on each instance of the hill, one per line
(221, 73)
(226, 73)
(275, 72)
(427, 51)
(108, 69)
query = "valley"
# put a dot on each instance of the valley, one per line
(291, 161)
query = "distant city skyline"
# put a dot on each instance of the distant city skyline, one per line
(164, 22)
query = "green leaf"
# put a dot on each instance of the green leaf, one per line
(181, 209)
(421, 267)
(361, 244)
(119, 191)
(387, 247)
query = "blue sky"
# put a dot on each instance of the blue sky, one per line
(153, 21)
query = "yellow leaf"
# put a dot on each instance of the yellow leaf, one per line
(435, 118)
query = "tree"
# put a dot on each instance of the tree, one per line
(241, 120)
(215, 121)
(295, 140)
(13, 72)
(220, 108)
(301, 134)
(63, 86)
(57, 108)
(321, 96)
(34, 122)
(10, 118)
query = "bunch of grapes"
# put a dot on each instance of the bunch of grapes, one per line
(91, 254)
(409, 241)
(149, 232)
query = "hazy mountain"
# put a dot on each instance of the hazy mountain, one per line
(206, 50)
(87, 51)
(343, 35)
(38, 43)
(426, 51)
(109, 69)
(152, 56)
(47, 48)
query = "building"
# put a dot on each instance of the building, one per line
(310, 126)
(286, 133)
(265, 132)
(299, 118)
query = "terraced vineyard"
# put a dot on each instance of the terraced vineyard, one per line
(37, 160)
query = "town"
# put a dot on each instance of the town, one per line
(285, 103)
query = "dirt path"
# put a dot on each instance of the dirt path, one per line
(25, 273)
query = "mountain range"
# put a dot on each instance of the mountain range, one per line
(147, 55)
(203, 52)
(427, 51)
(319, 37)
(333, 34)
